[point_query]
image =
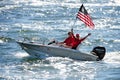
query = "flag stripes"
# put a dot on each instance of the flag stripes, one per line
(84, 16)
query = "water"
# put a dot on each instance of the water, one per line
(43, 20)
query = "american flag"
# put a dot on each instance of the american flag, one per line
(85, 17)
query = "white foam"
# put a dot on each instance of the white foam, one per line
(1, 41)
(117, 1)
(20, 54)
(117, 40)
(112, 57)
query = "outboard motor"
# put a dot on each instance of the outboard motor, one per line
(99, 51)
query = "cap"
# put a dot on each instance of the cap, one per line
(77, 35)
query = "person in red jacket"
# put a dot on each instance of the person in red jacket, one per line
(78, 40)
(68, 42)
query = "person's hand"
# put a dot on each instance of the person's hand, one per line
(62, 45)
(72, 30)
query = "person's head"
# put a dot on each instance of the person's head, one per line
(77, 36)
(70, 33)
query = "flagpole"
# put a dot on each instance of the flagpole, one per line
(73, 24)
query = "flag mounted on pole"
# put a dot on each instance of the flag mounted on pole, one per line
(85, 17)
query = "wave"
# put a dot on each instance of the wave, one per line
(70, 3)
(112, 57)
(6, 39)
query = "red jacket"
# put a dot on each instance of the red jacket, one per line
(69, 41)
(77, 42)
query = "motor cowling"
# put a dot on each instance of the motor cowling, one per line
(99, 51)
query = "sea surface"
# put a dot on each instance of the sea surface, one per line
(44, 20)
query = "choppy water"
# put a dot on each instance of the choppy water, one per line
(43, 20)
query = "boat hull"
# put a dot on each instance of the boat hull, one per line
(37, 50)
